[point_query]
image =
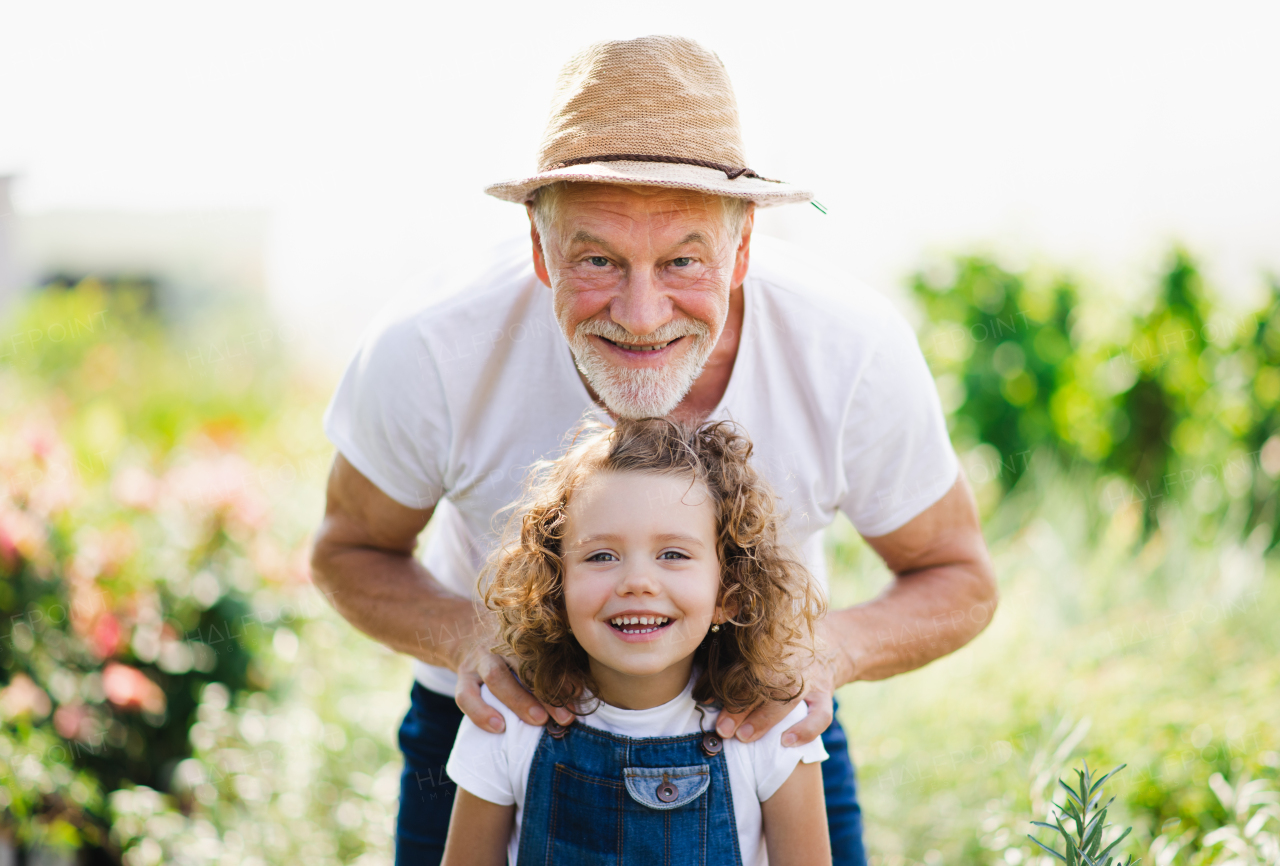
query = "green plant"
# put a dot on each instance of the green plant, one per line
(1252, 835)
(1085, 848)
(1175, 399)
(141, 560)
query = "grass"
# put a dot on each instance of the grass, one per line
(1159, 654)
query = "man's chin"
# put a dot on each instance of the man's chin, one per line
(633, 413)
(636, 400)
(640, 393)
(632, 406)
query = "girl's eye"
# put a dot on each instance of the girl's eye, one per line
(599, 261)
(671, 554)
(681, 262)
(602, 556)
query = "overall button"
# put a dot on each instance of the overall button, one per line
(711, 744)
(667, 792)
(556, 730)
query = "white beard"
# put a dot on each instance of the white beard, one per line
(641, 393)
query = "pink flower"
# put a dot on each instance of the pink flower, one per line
(130, 689)
(135, 487)
(117, 544)
(107, 636)
(219, 483)
(69, 721)
(43, 441)
(21, 536)
(23, 697)
(300, 563)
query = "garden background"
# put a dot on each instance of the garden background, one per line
(1077, 209)
(177, 691)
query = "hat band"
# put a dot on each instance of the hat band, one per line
(730, 172)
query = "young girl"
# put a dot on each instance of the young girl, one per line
(645, 586)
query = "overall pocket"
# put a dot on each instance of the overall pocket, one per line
(586, 819)
(666, 788)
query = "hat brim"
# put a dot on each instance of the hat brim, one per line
(765, 193)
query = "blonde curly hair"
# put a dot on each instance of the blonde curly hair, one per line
(774, 600)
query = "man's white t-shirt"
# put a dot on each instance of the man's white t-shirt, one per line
(495, 767)
(447, 403)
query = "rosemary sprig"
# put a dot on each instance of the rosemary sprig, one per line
(1084, 845)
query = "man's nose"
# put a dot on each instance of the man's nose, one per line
(640, 306)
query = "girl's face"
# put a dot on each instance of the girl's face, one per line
(642, 577)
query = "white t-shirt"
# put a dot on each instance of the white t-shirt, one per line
(447, 403)
(495, 767)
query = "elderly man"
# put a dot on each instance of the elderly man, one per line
(639, 302)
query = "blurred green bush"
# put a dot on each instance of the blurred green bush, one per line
(153, 547)
(1175, 402)
(1125, 454)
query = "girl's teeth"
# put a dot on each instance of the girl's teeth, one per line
(655, 621)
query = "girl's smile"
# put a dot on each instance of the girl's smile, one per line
(641, 581)
(639, 626)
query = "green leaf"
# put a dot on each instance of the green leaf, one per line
(1098, 784)
(1094, 837)
(1117, 841)
(1046, 848)
(1072, 794)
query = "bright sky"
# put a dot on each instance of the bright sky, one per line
(1085, 133)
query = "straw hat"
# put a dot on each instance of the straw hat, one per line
(654, 111)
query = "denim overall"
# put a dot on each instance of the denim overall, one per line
(426, 792)
(600, 799)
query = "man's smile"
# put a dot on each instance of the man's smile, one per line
(639, 348)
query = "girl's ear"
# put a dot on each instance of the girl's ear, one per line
(727, 607)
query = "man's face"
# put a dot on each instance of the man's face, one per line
(641, 280)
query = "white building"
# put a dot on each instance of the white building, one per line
(194, 257)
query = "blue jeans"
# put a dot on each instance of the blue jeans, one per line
(426, 793)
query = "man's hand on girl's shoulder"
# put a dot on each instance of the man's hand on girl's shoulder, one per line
(480, 666)
(819, 689)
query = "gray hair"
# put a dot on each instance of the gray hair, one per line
(546, 201)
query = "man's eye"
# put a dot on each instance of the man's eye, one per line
(681, 262)
(599, 261)
(671, 554)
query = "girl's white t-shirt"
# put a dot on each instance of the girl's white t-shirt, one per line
(465, 381)
(495, 767)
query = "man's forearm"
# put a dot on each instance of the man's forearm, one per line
(394, 599)
(920, 617)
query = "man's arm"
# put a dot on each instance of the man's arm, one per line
(363, 561)
(943, 594)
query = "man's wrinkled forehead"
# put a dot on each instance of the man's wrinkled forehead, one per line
(587, 210)
(584, 238)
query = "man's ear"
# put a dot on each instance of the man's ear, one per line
(742, 257)
(539, 263)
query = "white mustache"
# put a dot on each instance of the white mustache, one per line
(614, 332)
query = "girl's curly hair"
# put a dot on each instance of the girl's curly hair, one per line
(774, 600)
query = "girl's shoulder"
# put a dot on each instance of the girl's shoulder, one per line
(765, 763)
(513, 725)
(771, 740)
